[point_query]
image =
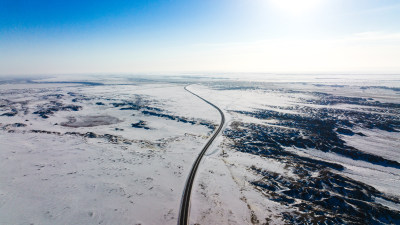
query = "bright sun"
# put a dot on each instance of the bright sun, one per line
(296, 7)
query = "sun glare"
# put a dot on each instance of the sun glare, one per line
(296, 7)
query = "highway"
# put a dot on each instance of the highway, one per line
(185, 202)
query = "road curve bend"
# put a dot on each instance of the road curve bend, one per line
(185, 202)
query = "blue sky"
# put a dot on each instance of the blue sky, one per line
(104, 36)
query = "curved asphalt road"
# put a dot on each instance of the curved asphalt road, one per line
(185, 202)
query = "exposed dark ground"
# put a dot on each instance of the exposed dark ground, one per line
(321, 194)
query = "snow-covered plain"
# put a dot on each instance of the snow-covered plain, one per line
(118, 149)
(98, 169)
(214, 201)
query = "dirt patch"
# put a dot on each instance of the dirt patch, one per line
(90, 121)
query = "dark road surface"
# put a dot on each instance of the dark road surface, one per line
(185, 202)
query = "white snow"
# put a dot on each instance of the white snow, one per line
(67, 179)
(57, 178)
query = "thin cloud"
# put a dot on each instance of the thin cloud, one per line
(380, 9)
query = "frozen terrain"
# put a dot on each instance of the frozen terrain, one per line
(295, 149)
(97, 154)
(317, 151)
